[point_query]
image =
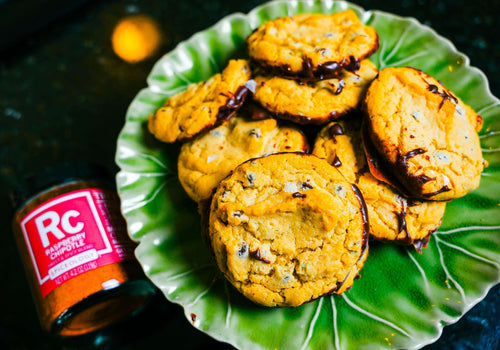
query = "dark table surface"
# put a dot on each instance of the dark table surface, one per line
(64, 95)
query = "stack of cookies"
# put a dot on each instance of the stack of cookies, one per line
(287, 216)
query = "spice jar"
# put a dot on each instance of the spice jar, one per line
(75, 249)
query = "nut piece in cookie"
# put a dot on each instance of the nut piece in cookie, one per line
(202, 106)
(392, 217)
(315, 102)
(297, 231)
(204, 161)
(420, 137)
(312, 45)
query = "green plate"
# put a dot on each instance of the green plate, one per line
(403, 299)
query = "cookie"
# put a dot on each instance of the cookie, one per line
(315, 102)
(206, 160)
(392, 217)
(420, 137)
(313, 46)
(288, 228)
(202, 106)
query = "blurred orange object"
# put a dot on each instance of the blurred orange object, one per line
(136, 38)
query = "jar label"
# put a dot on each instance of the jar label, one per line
(72, 234)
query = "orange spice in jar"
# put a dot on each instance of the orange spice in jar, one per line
(75, 249)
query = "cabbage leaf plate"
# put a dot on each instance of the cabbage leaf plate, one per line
(403, 299)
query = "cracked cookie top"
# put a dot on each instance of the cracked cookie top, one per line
(288, 228)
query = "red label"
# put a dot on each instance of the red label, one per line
(70, 235)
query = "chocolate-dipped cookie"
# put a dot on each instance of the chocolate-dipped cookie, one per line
(314, 102)
(202, 106)
(313, 46)
(420, 137)
(392, 216)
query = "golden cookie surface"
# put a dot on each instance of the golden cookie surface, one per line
(204, 161)
(201, 106)
(287, 228)
(392, 217)
(423, 136)
(312, 45)
(314, 102)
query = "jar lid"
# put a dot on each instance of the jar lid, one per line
(57, 174)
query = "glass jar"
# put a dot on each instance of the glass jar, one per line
(76, 251)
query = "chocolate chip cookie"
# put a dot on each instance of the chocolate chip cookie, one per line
(313, 46)
(314, 102)
(204, 161)
(202, 106)
(392, 216)
(420, 137)
(288, 228)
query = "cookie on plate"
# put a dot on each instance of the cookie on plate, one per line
(392, 217)
(313, 46)
(202, 106)
(204, 161)
(315, 102)
(288, 228)
(420, 137)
